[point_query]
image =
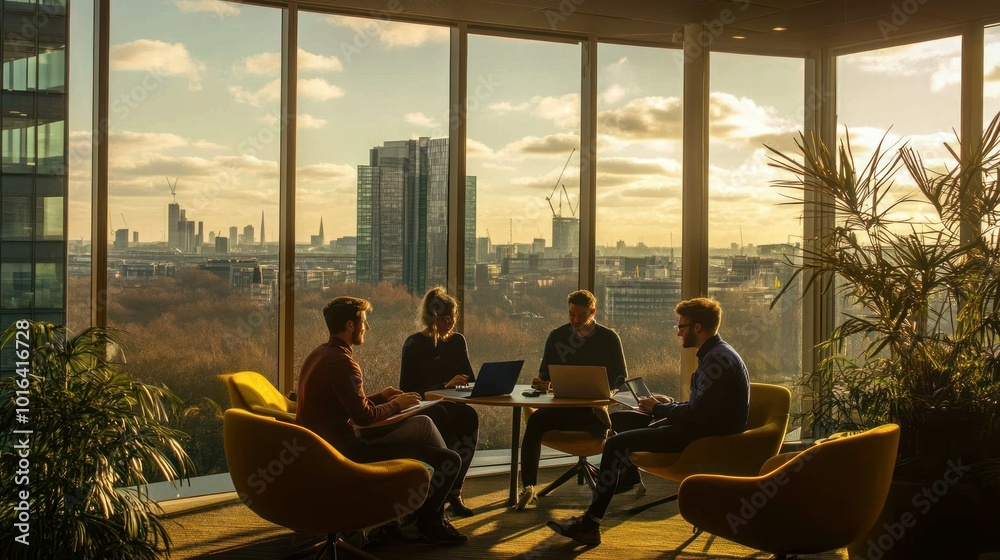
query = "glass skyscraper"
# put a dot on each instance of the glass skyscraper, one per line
(403, 215)
(33, 182)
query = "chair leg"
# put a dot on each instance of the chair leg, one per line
(330, 544)
(644, 507)
(577, 470)
(352, 550)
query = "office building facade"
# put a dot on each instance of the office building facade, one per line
(33, 182)
(409, 179)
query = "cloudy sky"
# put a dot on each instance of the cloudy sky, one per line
(195, 97)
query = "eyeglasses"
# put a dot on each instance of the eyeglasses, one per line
(680, 326)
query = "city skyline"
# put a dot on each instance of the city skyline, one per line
(168, 74)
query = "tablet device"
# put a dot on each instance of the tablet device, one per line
(637, 386)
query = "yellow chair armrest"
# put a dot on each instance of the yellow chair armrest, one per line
(740, 454)
(272, 413)
(777, 461)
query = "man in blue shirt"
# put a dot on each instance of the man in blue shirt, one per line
(719, 405)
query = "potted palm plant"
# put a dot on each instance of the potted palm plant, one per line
(915, 341)
(88, 437)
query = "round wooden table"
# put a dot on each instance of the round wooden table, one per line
(516, 401)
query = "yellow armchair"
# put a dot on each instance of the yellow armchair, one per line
(823, 498)
(252, 391)
(740, 454)
(290, 476)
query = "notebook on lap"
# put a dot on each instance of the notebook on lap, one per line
(579, 382)
(496, 378)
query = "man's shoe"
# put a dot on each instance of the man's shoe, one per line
(439, 530)
(573, 528)
(458, 506)
(527, 496)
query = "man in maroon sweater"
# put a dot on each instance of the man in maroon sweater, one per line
(332, 403)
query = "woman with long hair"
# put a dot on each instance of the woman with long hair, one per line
(438, 358)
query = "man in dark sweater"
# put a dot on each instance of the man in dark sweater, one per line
(332, 403)
(719, 405)
(581, 342)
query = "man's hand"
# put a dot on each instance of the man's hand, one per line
(389, 392)
(406, 400)
(456, 381)
(663, 399)
(647, 404)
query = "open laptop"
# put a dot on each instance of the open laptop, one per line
(579, 382)
(496, 378)
(636, 391)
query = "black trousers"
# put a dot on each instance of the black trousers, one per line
(547, 419)
(635, 431)
(459, 427)
(445, 462)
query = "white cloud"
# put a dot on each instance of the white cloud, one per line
(560, 143)
(158, 57)
(643, 118)
(319, 89)
(741, 119)
(206, 145)
(269, 63)
(217, 7)
(564, 110)
(268, 93)
(475, 148)
(613, 94)
(338, 174)
(316, 89)
(306, 120)
(390, 33)
(942, 58)
(421, 120)
(507, 107)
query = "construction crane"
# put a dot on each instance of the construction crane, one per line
(124, 220)
(564, 193)
(173, 187)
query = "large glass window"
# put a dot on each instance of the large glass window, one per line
(991, 73)
(524, 151)
(372, 178)
(193, 155)
(638, 274)
(910, 95)
(80, 119)
(756, 101)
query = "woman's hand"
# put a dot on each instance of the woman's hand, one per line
(456, 381)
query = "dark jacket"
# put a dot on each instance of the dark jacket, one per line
(720, 393)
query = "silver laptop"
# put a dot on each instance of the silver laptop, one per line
(579, 382)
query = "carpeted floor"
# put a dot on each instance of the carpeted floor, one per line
(231, 531)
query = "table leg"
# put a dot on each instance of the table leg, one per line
(515, 447)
